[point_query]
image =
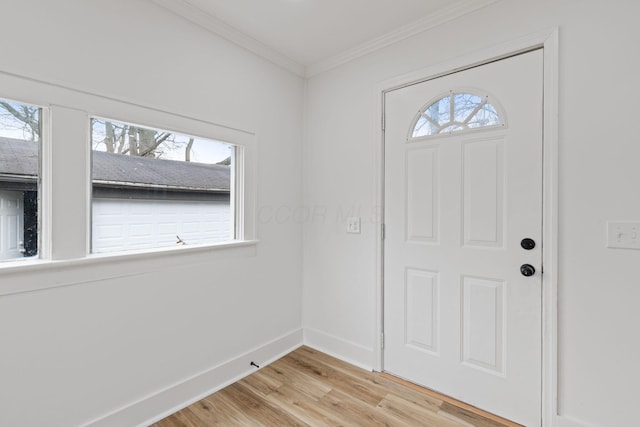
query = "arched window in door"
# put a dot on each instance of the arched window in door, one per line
(456, 112)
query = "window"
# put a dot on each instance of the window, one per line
(455, 112)
(153, 188)
(20, 134)
(77, 187)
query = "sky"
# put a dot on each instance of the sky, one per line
(203, 151)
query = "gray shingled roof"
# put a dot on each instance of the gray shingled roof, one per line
(19, 157)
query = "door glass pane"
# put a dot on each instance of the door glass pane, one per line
(455, 112)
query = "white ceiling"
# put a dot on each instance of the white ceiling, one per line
(312, 34)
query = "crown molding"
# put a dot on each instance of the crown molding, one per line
(435, 19)
(215, 26)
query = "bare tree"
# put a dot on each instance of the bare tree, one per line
(137, 141)
(187, 150)
(21, 117)
(116, 137)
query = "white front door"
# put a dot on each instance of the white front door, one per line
(11, 225)
(463, 188)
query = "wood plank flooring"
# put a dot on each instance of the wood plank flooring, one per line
(309, 388)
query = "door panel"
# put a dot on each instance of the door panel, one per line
(421, 309)
(11, 225)
(459, 316)
(422, 194)
(482, 193)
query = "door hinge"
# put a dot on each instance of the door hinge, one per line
(383, 122)
(384, 232)
(382, 340)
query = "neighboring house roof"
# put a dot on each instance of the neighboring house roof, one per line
(19, 158)
(143, 171)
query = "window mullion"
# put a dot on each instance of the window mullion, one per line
(68, 188)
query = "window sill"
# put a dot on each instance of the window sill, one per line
(132, 259)
(168, 251)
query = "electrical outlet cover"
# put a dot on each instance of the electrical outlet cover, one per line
(353, 225)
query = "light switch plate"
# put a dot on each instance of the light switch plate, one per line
(353, 225)
(623, 234)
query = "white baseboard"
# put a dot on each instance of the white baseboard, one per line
(178, 396)
(570, 422)
(337, 347)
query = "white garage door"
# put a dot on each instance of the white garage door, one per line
(120, 225)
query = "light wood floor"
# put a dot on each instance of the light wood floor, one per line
(309, 388)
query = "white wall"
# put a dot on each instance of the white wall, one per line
(109, 334)
(599, 175)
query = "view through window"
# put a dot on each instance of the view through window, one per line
(20, 133)
(456, 112)
(154, 189)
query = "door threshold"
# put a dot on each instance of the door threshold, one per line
(450, 400)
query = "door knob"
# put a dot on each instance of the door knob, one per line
(528, 244)
(527, 270)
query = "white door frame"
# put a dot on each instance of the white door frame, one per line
(548, 40)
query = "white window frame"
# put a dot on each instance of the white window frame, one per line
(44, 120)
(65, 178)
(237, 190)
